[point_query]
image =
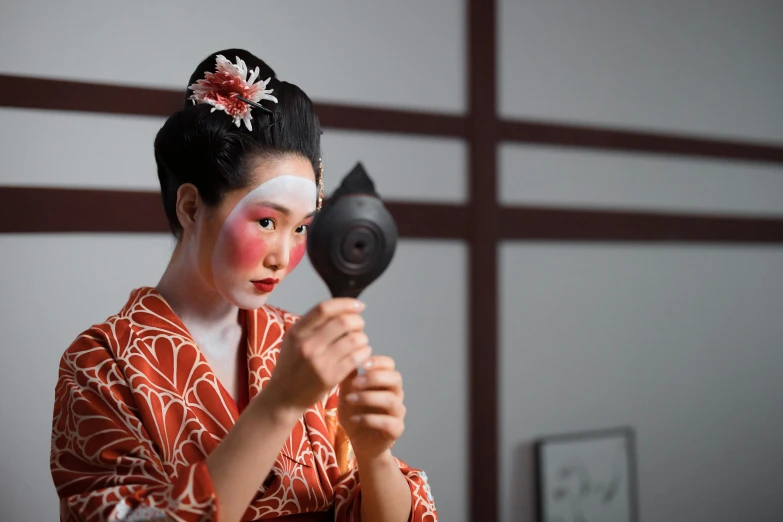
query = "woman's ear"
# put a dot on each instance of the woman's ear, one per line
(188, 206)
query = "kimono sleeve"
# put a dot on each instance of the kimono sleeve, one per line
(348, 490)
(104, 465)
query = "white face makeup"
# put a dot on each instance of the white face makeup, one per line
(263, 239)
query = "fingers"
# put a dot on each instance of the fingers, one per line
(384, 402)
(324, 311)
(349, 347)
(391, 427)
(378, 380)
(336, 327)
(347, 353)
(367, 363)
(378, 362)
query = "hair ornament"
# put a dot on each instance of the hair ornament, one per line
(320, 182)
(229, 89)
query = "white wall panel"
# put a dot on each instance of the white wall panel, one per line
(405, 53)
(55, 286)
(66, 149)
(409, 168)
(108, 151)
(683, 343)
(416, 313)
(701, 66)
(567, 177)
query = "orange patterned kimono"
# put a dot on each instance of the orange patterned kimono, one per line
(137, 410)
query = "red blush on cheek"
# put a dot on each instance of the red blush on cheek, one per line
(296, 254)
(246, 248)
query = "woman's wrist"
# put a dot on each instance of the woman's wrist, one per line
(386, 495)
(380, 461)
(270, 406)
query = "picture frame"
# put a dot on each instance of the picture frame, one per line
(587, 477)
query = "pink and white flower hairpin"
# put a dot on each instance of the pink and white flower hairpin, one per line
(230, 90)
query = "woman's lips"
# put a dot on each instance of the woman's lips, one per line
(266, 285)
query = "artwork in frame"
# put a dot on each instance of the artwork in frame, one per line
(587, 477)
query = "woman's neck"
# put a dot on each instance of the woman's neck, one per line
(208, 316)
(212, 321)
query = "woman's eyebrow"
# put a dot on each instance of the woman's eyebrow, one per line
(282, 209)
(275, 206)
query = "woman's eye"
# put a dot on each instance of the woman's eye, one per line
(302, 229)
(267, 223)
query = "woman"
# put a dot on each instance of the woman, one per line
(197, 401)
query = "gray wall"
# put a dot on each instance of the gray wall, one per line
(681, 342)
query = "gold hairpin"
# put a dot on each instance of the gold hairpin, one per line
(320, 182)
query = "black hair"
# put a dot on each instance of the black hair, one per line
(207, 149)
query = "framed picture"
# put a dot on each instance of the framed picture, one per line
(587, 477)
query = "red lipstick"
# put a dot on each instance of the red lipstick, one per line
(266, 285)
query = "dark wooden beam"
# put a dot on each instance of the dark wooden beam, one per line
(34, 210)
(62, 95)
(569, 224)
(47, 209)
(484, 498)
(619, 140)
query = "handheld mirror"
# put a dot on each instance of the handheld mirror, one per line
(352, 239)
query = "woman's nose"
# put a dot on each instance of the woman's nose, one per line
(278, 254)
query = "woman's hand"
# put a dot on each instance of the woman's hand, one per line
(318, 352)
(371, 407)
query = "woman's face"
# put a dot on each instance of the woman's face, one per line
(259, 234)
